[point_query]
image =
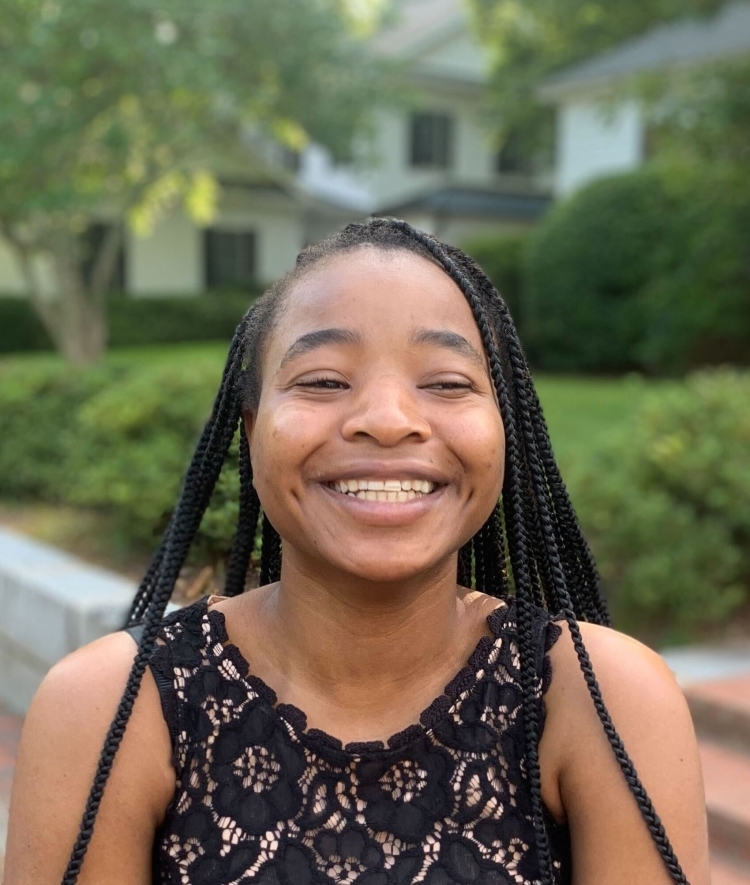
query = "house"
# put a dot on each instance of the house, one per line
(598, 135)
(432, 162)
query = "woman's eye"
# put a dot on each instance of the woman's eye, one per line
(451, 385)
(322, 383)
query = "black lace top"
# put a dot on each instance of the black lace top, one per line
(261, 799)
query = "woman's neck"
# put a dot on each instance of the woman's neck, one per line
(345, 651)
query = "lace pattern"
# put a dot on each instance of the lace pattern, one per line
(261, 799)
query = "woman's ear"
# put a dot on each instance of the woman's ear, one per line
(248, 420)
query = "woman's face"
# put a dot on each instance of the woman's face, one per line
(377, 447)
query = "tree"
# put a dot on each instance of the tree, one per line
(111, 111)
(530, 40)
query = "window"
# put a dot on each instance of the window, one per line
(230, 258)
(92, 241)
(513, 158)
(431, 140)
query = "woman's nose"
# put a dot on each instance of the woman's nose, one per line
(388, 411)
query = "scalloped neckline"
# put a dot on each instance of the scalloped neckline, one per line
(295, 719)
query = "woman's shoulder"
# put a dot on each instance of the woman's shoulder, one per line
(79, 697)
(63, 739)
(622, 665)
(618, 720)
(635, 684)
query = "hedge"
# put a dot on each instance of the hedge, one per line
(503, 259)
(136, 321)
(114, 438)
(647, 270)
(665, 508)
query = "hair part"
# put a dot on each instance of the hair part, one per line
(530, 547)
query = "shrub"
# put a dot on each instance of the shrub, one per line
(208, 317)
(697, 302)
(20, 328)
(136, 321)
(646, 270)
(503, 259)
(665, 506)
(116, 438)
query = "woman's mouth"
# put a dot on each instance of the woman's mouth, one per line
(387, 490)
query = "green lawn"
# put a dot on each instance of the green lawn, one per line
(583, 412)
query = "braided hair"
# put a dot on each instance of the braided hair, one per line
(531, 546)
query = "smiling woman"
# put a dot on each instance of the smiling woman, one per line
(407, 697)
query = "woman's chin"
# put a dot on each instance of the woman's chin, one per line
(383, 569)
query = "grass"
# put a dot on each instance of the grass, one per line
(583, 413)
(210, 352)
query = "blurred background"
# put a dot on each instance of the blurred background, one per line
(162, 161)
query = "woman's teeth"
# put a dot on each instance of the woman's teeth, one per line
(384, 489)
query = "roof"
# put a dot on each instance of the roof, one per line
(419, 25)
(475, 202)
(685, 41)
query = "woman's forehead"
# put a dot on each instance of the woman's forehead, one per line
(370, 287)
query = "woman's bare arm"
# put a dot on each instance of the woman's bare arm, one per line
(610, 842)
(61, 742)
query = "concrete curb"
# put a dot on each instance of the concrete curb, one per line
(51, 604)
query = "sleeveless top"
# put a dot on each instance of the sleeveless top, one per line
(260, 799)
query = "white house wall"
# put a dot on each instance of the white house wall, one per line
(392, 178)
(461, 58)
(171, 261)
(594, 139)
(277, 221)
(11, 281)
(166, 262)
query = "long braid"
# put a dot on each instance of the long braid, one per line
(535, 428)
(544, 509)
(491, 566)
(580, 565)
(464, 565)
(196, 491)
(247, 524)
(480, 573)
(270, 557)
(224, 405)
(495, 551)
(558, 575)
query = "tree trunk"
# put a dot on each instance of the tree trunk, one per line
(83, 328)
(76, 319)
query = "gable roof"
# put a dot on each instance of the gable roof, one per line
(471, 202)
(419, 25)
(686, 41)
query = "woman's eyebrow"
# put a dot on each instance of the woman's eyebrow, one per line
(320, 338)
(451, 340)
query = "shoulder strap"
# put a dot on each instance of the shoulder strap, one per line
(136, 631)
(162, 671)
